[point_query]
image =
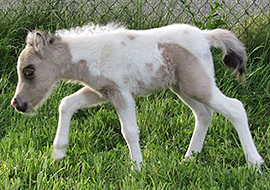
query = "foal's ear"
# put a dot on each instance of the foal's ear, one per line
(40, 43)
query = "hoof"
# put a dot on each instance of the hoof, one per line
(59, 154)
(256, 165)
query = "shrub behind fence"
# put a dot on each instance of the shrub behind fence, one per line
(238, 15)
(147, 11)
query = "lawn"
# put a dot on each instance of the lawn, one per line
(98, 157)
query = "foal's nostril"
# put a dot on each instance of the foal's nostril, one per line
(22, 107)
(14, 102)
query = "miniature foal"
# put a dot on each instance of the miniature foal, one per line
(115, 64)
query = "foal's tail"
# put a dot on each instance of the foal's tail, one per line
(234, 50)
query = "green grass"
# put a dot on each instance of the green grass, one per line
(97, 156)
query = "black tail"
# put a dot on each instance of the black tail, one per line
(234, 50)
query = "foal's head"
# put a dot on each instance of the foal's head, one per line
(38, 70)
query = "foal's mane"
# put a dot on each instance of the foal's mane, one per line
(90, 29)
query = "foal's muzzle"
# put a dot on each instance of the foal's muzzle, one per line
(20, 106)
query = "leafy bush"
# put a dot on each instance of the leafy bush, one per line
(212, 20)
(255, 33)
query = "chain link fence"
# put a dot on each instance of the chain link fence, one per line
(140, 14)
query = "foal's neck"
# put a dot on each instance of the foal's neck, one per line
(82, 65)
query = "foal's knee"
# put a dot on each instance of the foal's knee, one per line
(238, 113)
(232, 109)
(63, 105)
(203, 113)
(67, 106)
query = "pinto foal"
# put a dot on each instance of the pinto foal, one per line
(115, 64)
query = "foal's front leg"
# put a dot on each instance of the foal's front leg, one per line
(83, 98)
(125, 106)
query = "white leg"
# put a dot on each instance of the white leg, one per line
(233, 110)
(125, 106)
(203, 116)
(83, 98)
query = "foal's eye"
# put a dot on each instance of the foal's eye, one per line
(29, 72)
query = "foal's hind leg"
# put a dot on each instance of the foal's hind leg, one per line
(233, 110)
(83, 98)
(203, 116)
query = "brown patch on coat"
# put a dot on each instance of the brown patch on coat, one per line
(110, 90)
(102, 85)
(165, 74)
(78, 71)
(126, 79)
(149, 66)
(188, 71)
(131, 37)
